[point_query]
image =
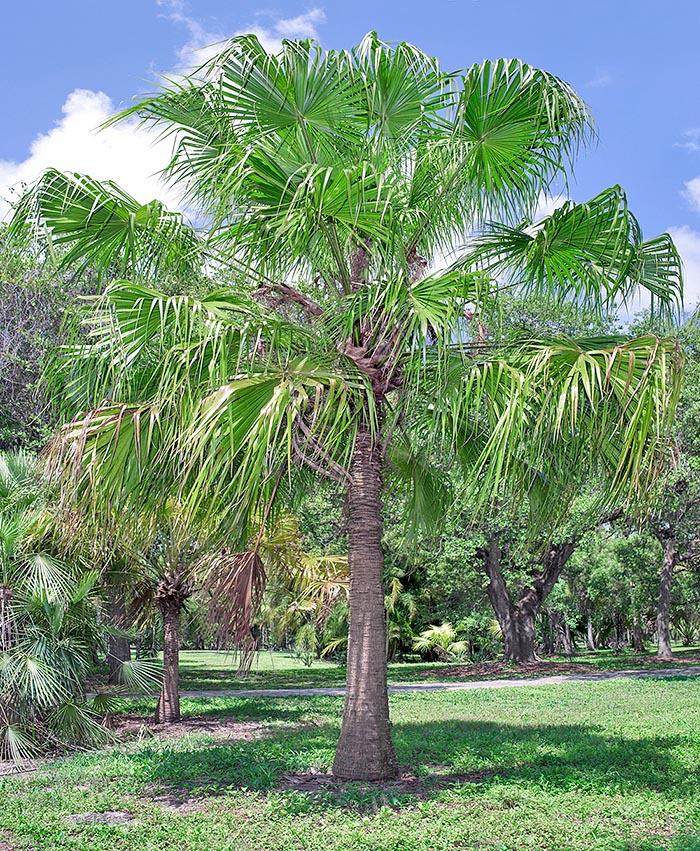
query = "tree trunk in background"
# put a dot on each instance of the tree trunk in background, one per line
(517, 620)
(663, 618)
(519, 635)
(619, 632)
(568, 643)
(168, 709)
(637, 635)
(118, 648)
(590, 638)
(365, 750)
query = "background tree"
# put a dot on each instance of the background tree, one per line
(51, 633)
(676, 520)
(33, 300)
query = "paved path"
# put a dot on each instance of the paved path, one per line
(663, 673)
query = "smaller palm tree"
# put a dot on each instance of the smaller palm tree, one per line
(50, 630)
(401, 611)
(441, 641)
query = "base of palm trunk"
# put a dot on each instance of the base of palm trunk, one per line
(168, 710)
(365, 751)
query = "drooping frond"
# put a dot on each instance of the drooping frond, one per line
(557, 411)
(523, 127)
(592, 253)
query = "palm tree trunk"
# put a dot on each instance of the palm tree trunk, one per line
(663, 617)
(365, 749)
(5, 617)
(118, 648)
(168, 709)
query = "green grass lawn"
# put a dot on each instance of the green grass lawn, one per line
(213, 670)
(604, 766)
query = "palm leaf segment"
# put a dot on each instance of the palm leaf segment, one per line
(330, 180)
(592, 252)
(98, 226)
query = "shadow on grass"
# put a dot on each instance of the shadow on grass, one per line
(439, 758)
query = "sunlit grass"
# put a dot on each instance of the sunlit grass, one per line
(609, 766)
(217, 670)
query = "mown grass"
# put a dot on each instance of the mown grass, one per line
(604, 766)
(211, 670)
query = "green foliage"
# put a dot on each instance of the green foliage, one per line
(350, 188)
(306, 644)
(33, 303)
(50, 630)
(441, 640)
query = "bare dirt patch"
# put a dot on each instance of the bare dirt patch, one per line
(418, 786)
(5, 842)
(109, 817)
(680, 658)
(181, 804)
(507, 669)
(138, 726)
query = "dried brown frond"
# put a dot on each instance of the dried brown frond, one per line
(234, 586)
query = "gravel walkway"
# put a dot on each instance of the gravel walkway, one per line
(658, 673)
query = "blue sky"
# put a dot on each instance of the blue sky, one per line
(635, 61)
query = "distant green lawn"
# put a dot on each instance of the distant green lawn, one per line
(604, 766)
(214, 670)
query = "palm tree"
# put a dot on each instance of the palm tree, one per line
(441, 640)
(24, 570)
(332, 184)
(50, 630)
(173, 556)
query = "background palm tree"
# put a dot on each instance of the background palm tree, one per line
(332, 184)
(51, 633)
(442, 641)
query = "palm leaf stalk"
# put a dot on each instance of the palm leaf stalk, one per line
(331, 182)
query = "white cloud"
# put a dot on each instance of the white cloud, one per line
(692, 140)
(688, 244)
(691, 192)
(303, 26)
(203, 42)
(602, 80)
(547, 204)
(130, 156)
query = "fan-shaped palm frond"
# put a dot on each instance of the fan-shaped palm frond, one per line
(104, 228)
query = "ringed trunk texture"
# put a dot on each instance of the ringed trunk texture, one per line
(663, 618)
(168, 709)
(5, 617)
(365, 750)
(118, 648)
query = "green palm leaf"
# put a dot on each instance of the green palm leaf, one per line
(102, 227)
(590, 252)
